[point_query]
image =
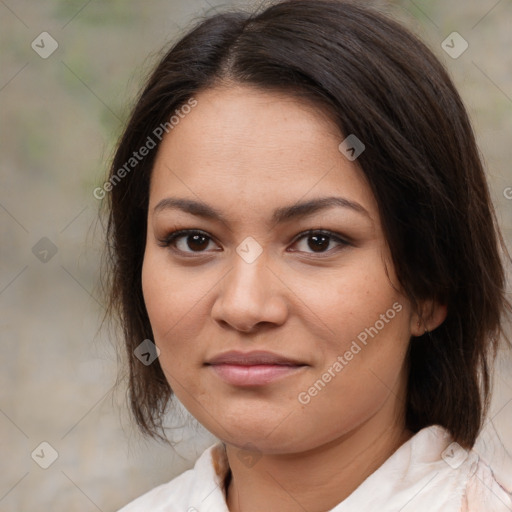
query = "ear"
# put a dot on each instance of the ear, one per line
(430, 316)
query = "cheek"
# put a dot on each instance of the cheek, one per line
(172, 298)
(179, 301)
(365, 334)
(357, 302)
(363, 372)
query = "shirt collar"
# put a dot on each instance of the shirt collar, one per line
(428, 472)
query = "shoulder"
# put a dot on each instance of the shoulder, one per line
(485, 492)
(431, 472)
(463, 480)
(204, 482)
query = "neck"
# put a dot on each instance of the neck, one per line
(316, 480)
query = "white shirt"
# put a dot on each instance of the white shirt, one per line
(428, 473)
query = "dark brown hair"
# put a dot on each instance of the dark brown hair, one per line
(379, 82)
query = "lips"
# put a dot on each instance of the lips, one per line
(258, 357)
(255, 368)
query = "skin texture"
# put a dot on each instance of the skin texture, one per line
(247, 152)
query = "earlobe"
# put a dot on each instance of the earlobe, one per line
(431, 315)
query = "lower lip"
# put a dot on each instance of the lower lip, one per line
(255, 375)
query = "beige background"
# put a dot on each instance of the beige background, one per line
(59, 120)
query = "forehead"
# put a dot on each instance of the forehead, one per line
(257, 147)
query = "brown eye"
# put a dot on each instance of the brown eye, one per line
(187, 241)
(320, 241)
(196, 242)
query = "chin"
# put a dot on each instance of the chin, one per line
(278, 435)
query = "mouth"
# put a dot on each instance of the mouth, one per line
(255, 368)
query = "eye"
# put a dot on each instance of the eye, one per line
(195, 241)
(187, 241)
(319, 241)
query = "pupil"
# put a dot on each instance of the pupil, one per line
(196, 242)
(317, 243)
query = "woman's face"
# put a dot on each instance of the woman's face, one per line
(250, 173)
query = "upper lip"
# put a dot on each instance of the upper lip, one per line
(254, 357)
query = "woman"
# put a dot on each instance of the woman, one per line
(300, 222)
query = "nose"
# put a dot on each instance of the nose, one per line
(249, 296)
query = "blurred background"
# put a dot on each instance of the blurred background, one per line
(69, 72)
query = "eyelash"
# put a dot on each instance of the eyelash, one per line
(171, 238)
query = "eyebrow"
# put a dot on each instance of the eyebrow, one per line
(279, 216)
